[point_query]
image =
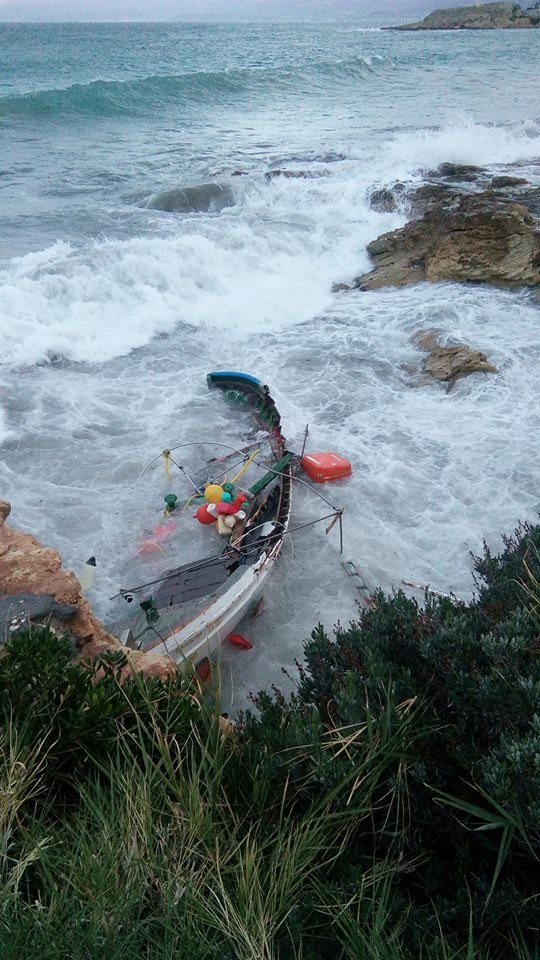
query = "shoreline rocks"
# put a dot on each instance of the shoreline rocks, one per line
(465, 231)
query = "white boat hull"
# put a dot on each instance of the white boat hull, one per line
(202, 637)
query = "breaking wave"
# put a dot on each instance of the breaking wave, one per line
(267, 261)
(110, 98)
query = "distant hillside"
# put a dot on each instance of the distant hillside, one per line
(367, 12)
(486, 16)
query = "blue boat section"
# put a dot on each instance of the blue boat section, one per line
(214, 378)
(248, 389)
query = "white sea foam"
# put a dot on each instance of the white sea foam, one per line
(265, 265)
(270, 261)
(462, 140)
(5, 432)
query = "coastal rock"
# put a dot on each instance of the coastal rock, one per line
(292, 174)
(463, 237)
(34, 588)
(530, 198)
(33, 582)
(484, 16)
(449, 363)
(461, 172)
(203, 198)
(387, 199)
(505, 181)
(432, 195)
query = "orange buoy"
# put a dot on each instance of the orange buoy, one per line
(239, 641)
(322, 467)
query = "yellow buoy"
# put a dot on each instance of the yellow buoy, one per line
(213, 493)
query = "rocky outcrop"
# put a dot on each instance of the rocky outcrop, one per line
(485, 16)
(34, 588)
(499, 183)
(293, 174)
(449, 363)
(387, 200)
(460, 172)
(459, 235)
(203, 198)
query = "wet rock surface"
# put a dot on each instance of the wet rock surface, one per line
(387, 199)
(505, 181)
(461, 229)
(460, 172)
(449, 362)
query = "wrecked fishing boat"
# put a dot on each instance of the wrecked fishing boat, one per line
(188, 611)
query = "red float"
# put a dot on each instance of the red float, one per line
(202, 514)
(239, 641)
(322, 467)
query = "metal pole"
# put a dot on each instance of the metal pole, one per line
(306, 431)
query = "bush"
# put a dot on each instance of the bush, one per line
(468, 825)
(79, 713)
(134, 827)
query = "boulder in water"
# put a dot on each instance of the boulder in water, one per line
(204, 198)
(450, 362)
(460, 172)
(386, 199)
(507, 181)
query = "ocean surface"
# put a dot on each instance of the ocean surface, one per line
(143, 243)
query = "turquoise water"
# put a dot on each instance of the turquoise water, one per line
(96, 118)
(146, 239)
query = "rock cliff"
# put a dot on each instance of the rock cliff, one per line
(485, 16)
(461, 233)
(34, 588)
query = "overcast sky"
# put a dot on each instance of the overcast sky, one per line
(211, 9)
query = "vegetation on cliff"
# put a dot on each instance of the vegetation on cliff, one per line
(388, 809)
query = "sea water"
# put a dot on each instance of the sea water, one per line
(146, 241)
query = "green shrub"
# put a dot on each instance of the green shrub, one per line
(466, 794)
(81, 712)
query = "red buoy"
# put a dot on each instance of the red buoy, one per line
(239, 641)
(202, 514)
(322, 467)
